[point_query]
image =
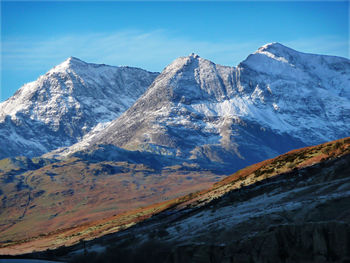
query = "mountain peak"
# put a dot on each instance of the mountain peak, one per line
(273, 54)
(276, 49)
(69, 63)
(272, 45)
(193, 55)
(182, 62)
(74, 60)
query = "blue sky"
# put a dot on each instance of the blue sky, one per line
(35, 36)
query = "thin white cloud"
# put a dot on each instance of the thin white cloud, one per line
(28, 58)
(150, 50)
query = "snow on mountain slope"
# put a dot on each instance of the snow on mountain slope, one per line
(309, 94)
(275, 100)
(66, 103)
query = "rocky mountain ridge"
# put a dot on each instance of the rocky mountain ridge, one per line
(277, 98)
(69, 101)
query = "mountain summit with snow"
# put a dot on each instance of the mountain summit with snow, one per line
(276, 100)
(66, 103)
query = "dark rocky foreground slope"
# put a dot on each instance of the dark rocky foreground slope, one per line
(293, 208)
(303, 216)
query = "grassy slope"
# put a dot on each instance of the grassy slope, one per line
(282, 164)
(296, 159)
(75, 192)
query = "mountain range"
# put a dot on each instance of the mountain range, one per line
(88, 150)
(277, 98)
(194, 111)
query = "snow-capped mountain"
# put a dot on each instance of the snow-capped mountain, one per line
(69, 101)
(276, 100)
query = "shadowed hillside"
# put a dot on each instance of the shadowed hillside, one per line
(300, 196)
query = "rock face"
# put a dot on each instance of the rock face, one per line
(299, 215)
(276, 100)
(310, 242)
(71, 100)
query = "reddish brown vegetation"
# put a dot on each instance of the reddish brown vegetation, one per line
(73, 227)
